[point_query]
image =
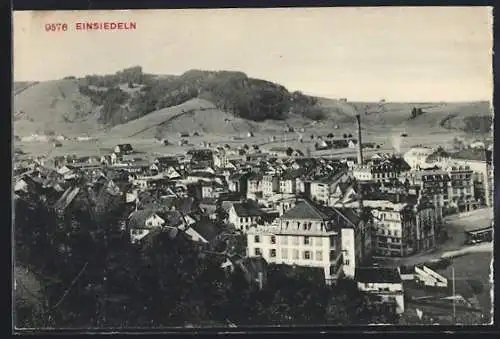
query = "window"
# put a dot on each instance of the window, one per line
(333, 255)
(272, 253)
(319, 241)
(287, 223)
(246, 219)
(307, 255)
(241, 220)
(319, 256)
(284, 240)
(346, 262)
(257, 238)
(296, 254)
(295, 240)
(273, 239)
(257, 251)
(307, 240)
(284, 253)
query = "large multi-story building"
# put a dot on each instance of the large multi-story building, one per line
(312, 235)
(429, 184)
(324, 189)
(461, 193)
(381, 169)
(402, 225)
(482, 176)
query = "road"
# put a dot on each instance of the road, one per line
(455, 225)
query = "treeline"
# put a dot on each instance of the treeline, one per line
(133, 75)
(110, 99)
(307, 106)
(233, 92)
(94, 277)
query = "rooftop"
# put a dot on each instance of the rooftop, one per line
(377, 275)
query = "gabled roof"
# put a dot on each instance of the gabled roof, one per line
(67, 198)
(307, 209)
(336, 217)
(377, 275)
(208, 230)
(137, 219)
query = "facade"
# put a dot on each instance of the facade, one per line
(325, 189)
(270, 185)
(254, 187)
(306, 235)
(244, 215)
(482, 177)
(461, 190)
(381, 169)
(401, 228)
(430, 184)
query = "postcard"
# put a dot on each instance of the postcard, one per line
(252, 168)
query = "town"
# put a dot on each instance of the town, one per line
(380, 222)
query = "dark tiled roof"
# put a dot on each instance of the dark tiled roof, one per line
(377, 275)
(247, 209)
(67, 198)
(307, 209)
(206, 229)
(138, 218)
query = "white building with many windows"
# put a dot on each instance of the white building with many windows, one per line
(309, 235)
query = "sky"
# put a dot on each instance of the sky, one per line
(396, 54)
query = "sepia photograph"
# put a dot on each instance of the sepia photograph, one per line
(252, 168)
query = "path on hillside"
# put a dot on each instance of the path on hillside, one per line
(169, 119)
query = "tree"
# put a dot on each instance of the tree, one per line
(413, 112)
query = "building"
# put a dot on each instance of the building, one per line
(123, 149)
(384, 169)
(416, 157)
(288, 181)
(402, 224)
(309, 235)
(326, 188)
(482, 176)
(245, 214)
(461, 193)
(220, 158)
(270, 185)
(254, 186)
(430, 184)
(203, 231)
(385, 283)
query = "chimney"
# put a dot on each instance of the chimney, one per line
(360, 150)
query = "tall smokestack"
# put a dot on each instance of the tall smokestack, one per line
(360, 146)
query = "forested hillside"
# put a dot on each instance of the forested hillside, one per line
(131, 94)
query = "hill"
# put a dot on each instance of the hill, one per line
(468, 117)
(215, 102)
(53, 106)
